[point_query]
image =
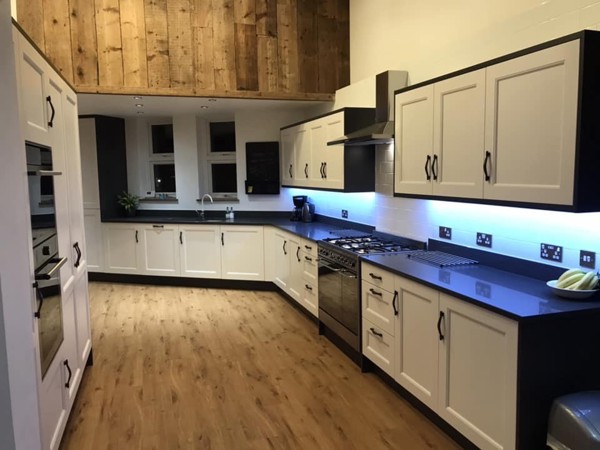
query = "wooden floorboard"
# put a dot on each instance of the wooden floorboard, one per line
(194, 368)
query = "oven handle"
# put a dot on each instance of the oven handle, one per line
(47, 276)
(347, 273)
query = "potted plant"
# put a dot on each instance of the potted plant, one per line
(129, 202)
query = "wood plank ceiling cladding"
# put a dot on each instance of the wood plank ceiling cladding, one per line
(278, 49)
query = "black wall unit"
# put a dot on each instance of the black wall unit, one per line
(112, 163)
(262, 168)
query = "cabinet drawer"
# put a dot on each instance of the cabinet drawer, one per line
(309, 247)
(309, 267)
(378, 346)
(378, 306)
(378, 277)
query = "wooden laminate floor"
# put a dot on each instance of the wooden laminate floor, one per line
(193, 368)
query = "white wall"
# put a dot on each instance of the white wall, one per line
(433, 37)
(19, 426)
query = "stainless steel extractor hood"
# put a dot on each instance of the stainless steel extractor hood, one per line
(382, 131)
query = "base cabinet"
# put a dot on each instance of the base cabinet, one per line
(53, 405)
(121, 248)
(242, 252)
(458, 359)
(200, 255)
(159, 249)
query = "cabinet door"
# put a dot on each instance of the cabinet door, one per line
(379, 346)
(200, 251)
(93, 240)
(295, 283)
(302, 156)
(277, 257)
(288, 156)
(333, 156)
(318, 147)
(417, 340)
(414, 141)
(378, 306)
(53, 410)
(121, 243)
(35, 107)
(242, 252)
(160, 250)
(71, 358)
(530, 126)
(458, 133)
(82, 318)
(478, 373)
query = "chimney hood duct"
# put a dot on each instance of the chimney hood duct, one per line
(382, 131)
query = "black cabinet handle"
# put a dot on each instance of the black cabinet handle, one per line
(68, 383)
(376, 277)
(308, 258)
(290, 171)
(298, 254)
(181, 237)
(374, 292)
(325, 170)
(376, 333)
(395, 303)
(308, 286)
(51, 121)
(321, 170)
(284, 250)
(78, 251)
(306, 170)
(40, 297)
(439, 325)
(136, 237)
(486, 161)
(308, 247)
(222, 238)
(434, 167)
(428, 167)
(158, 226)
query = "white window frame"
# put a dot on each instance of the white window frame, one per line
(222, 195)
(151, 165)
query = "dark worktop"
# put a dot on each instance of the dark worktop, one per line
(521, 296)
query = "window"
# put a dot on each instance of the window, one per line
(221, 160)
(222, 137)
(223, 178)
(163, 178)
(162, 139)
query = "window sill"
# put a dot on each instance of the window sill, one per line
(222, 200)
(161, 200)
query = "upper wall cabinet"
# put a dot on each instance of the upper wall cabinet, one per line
(308, 162)
(515, 131)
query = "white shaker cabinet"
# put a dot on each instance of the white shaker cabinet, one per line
(242, 252)
(121, 248)
(200, 251)
(159, 249)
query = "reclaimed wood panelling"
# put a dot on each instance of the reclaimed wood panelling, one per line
(157, 43)
(83, 42)
(224, 45)
(296, 49)
(110, 52)
(31, 18)
(57, 30)
(133, 35)
(181, 53)
(202, 34)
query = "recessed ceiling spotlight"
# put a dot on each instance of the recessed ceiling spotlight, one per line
(139, 105)
(204, 107)
(140, 112)
(212, 99)
(137, 97)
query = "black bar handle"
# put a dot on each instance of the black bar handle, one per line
(325, 169)
(428, 167)
(321, 170)
(308, 286)
(78, 251)
(40, 297)
(376, 277)
(306, 170)
(284, 250)
(486, 161)
(158, 226)
(375, 332)
(68, 383)
(181, 237)
(395, 303)
(308, 247)
(51, 121)
(308, 258)
(222, 238)
(374, 292)
(290, 171)
(439, 325)
(136, 237)
(434, 167)
(298, 254)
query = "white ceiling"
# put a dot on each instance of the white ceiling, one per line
(158, 106)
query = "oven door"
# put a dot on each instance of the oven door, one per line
(339, 294)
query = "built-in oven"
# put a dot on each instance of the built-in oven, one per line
(47, 262)
(339, 295)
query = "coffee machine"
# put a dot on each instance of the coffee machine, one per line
(299, 202)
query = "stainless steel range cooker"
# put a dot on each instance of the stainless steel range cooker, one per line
(339, 281)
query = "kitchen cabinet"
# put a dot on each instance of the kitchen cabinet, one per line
(200, 254)
(53, 405)
(122, 252)
(242, 252)
(277, 257)
(159, 249)
(458, 359)
(515, 131)
(309, 289)
(307, 160)
(92, 225)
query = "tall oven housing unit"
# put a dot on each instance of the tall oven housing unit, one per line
(58, 264)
